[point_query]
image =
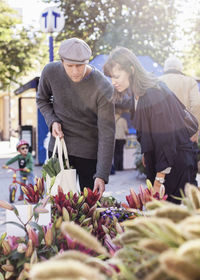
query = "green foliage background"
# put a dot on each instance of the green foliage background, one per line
(20, 50)
(145, 26)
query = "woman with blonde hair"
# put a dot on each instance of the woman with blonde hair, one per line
(158, 117)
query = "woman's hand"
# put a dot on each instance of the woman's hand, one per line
(195, 137)
(159, 180)
(143, 161)
(156, 187)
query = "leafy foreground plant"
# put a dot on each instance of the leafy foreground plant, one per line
(75, 265)
(166, 245)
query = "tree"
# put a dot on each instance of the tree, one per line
(145, 26)
(191, 53)
(19, 48)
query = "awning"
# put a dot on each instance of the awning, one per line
(31, 84)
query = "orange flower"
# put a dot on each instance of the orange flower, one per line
(6, 247)
(48, 237)
(29, 250)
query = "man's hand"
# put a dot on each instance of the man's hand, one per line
(99, 185)
(57, 130)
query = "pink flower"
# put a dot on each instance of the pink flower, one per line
(32, 235)
(45, 200)
(41, 209)
(13, 242)
(6, 205)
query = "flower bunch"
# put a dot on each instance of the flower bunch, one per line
(34, 193)
(84, 210)
(120, 214)
(109, 201)
(137, 201)
(73, 206)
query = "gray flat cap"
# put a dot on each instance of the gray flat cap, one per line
(75, 51)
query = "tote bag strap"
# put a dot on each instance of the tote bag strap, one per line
(64, 147)
(60, 152)
(58, 146)
(55, 146)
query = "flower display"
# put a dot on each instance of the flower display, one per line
(138, 201)
(118, 242)
(34, 193)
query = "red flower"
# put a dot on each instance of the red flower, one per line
(32, 193)
(92, 197)
(61, 201)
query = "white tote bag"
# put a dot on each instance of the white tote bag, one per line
(66, 178)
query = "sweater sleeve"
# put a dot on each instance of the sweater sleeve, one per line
(12, 160)
(29, 162)
(44, 99)
(106, 135)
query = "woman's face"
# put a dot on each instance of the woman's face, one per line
(119, 78)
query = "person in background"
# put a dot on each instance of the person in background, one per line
(25, 162)
(120, 139)
(74, 99)
(187, 91)
(185, 87)
(158, 118)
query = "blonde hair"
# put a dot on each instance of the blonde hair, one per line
(140, 80)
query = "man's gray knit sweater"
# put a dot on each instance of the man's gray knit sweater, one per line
(84, 111)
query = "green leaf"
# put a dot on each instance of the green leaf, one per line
(98, 203)
(35, 226)
(3, 236)
(1, 276)
(55, 248)
(16, 224)
(21, 262)
(15, 211)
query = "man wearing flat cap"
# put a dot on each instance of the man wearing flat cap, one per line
(74, 99)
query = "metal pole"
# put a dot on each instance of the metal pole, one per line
(51, 48)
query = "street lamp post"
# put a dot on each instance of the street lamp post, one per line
(51, 20)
